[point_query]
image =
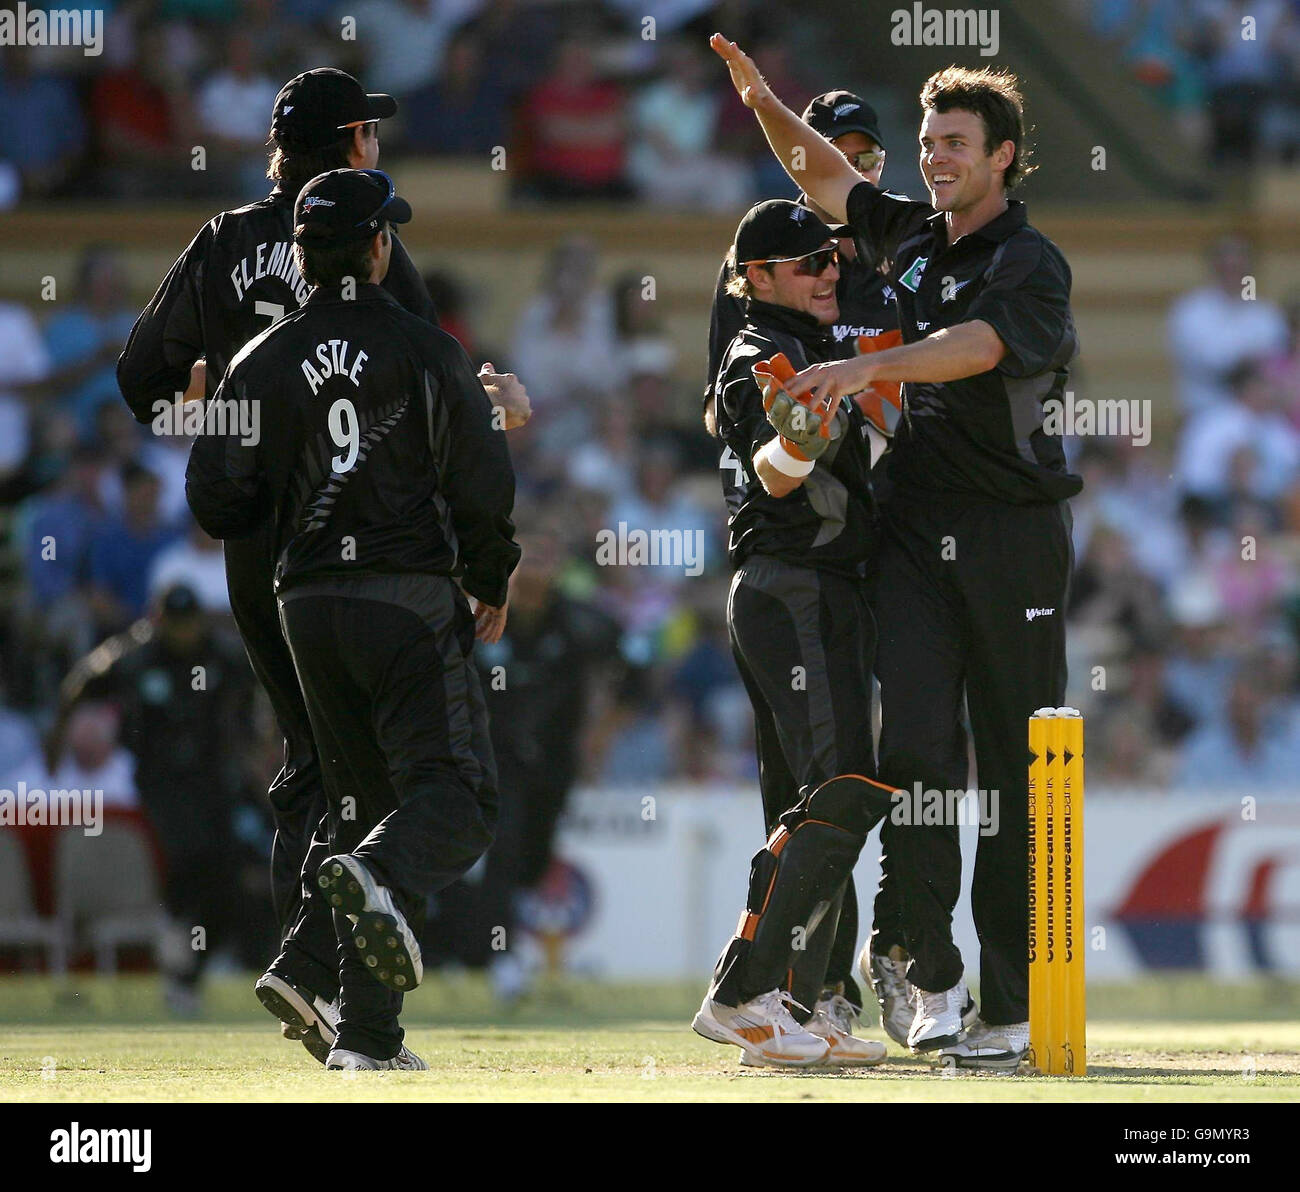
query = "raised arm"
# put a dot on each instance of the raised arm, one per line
(816, 166)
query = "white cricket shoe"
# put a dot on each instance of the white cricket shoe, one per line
(887, 976)
(379, 929)
(304, 1016)
(764, 1029)
(995, 1048)
(833, 1020)
(353, 1061)
(938, 1018)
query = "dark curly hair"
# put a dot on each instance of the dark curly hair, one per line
(992, 95)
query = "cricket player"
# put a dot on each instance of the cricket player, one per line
(235, 279)
(383, 478)
(801, 530)
(867, 321)
(976, 560)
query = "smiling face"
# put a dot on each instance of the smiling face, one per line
(780, 285)
(958, 171)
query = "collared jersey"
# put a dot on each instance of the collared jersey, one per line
(866, 300)
(829, 521)
(236, 277)
(377, 453)
(982, 435)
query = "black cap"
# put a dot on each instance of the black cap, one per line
(343, 205)
(315, 108)
(838, 112)
(779, 229)
(180, 600)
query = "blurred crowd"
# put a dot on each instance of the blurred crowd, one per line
(577, 99)
(1186, 606)
(1228, 71)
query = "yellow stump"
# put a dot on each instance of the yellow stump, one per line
(1057, 944)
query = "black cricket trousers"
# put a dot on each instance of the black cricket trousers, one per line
(402, 734)
(803, 641)
(297, 795)
(971, 599)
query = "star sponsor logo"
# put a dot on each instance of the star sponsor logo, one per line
(1032, 614)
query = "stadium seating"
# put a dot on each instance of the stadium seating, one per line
(21, 923)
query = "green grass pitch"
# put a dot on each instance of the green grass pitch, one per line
(96, 1040)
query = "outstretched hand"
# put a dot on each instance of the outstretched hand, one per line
(745, 76)
(825, 385)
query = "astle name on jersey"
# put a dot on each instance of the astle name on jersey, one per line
(333, 359)
(278, 263)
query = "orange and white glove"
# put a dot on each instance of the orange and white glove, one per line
(804, 432)
(873, 399)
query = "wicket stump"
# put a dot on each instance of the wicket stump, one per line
(1057, 1012)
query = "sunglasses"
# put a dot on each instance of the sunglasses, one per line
(866, 161)
(811, 264)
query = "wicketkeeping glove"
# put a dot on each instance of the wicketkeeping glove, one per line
(873, 399)
(805, 432)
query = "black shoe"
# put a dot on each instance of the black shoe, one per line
(304, 1015)
(379, 929)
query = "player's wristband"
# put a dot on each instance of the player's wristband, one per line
(789, 465)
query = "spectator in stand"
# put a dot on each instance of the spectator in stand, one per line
(56, 531)
(642, 344)
(1243, 73)
(24, 362)
(402, 41)
(86, 755)
(85, 336)
(519, 39)
(606, 462)
(1198, 666)
(43, 134)
(232, 111)
(1246, 447)
(661, 502)
(1214, 329)
(123, 550)
(565, 340)
(1249, 746)
(574, 130)
(144, 125)
(1252, 577)
(198, 563)
(672, 160)
(462, 113)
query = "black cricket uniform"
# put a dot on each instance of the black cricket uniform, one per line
(974, 570)
(383, 478)
(233, 281)
(185, 738)
(801, 632)
(866, 302)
